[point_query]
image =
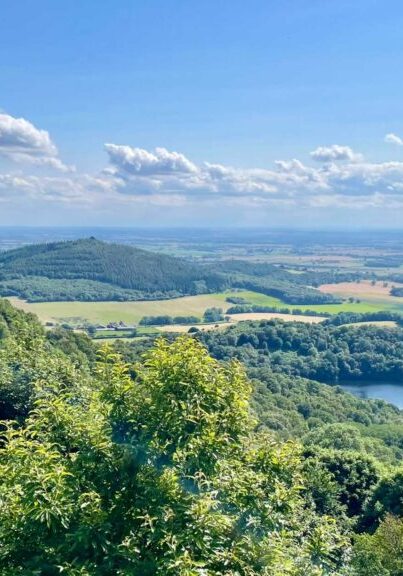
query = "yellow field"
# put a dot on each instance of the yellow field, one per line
(364, 290)
(372, 299)
(132, 312)
(235, 318)
(180, 328)
(128, 312)
(271, 315)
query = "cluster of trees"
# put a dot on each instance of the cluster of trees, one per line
(394, 277)
(238, 300)
(289, 291)
(41, 289)
(213, 314)
(397, 291)
(357, 318)
(326, 353)
(247, 309)
(279, 282)
(165, 319)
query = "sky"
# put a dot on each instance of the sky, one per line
(274, 113)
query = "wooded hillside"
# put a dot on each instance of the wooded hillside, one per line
(99, 271)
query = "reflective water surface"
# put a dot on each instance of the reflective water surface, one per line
(391, 392)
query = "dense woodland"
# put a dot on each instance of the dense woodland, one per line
(397, 291)
(113, 462)
(101, 271)
(358, 318)
(248, 308)
(278, 282)
(42, 289)
(326, 353)
(166, 320)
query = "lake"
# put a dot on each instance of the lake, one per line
(390, 392)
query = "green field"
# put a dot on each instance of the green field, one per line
(366, 305)
(128, 312)
(132, 312)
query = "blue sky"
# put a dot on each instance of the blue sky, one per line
(214, 112)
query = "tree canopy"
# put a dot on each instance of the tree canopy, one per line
(163, 474)
(163, 467)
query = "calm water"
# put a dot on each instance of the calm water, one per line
(391, 392)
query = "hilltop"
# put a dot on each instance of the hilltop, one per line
(89, 269)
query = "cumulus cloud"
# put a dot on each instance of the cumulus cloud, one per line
(393, 139)
(142, 162)
(161, 177)
(335, 153)
(140, 172)
(343, 179)
(63, 189)
(22, 142)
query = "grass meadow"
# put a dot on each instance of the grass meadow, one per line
(132, 312)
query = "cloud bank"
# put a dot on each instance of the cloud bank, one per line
(340, 177)
(331, 176)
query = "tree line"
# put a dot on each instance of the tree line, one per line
(324, 352)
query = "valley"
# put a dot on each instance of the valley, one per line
(82, 282)
(76, 313)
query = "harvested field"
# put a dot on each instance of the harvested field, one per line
(271, 315)
(180, 328)
(364, 289)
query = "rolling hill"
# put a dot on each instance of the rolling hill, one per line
(89, 269)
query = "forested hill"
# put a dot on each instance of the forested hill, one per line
(99, 270)
(91, 270)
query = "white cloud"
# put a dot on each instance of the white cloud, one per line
(160, 177)
(335, 153)
(393, 139)
(22, 142)
(19, 135)
(141, 162)
(139, 175)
